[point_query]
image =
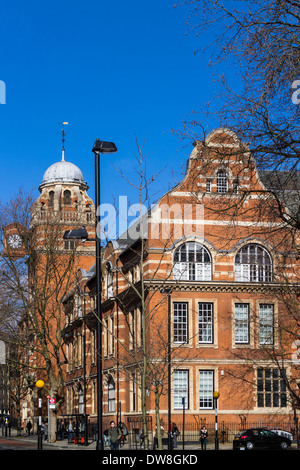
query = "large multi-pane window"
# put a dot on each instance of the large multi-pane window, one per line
(271, 388)
(181, 389)
(192, 262)
(266, 324)
(180, 322)
(206, 388)
(205, 319)
(253, 263)
(241, 323)
(222, 181)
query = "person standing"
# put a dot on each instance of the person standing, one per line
(28, 427)
(203, 437)
(115, 435)
(70, 431)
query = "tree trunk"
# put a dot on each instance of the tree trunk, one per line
(52, 425)
(157, 416)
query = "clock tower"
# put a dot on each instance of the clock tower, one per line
(53, 263)
(63, 202)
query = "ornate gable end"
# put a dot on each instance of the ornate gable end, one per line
(221, 187)
(221, 151)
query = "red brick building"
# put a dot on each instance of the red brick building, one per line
(218, 241)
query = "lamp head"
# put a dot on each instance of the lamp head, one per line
(101, 146)
(76, 234)
(40, 384)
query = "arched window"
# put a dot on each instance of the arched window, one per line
(109, 281)
(192, 262)
(51, 198)
(111, 395)
(67, 197)
(222, 181)
(253, 263)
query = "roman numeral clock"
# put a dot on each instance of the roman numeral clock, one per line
(13, 241)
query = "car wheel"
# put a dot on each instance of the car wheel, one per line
(249, 445)
(283, 445)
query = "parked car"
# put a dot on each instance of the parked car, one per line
(259, 438)
(286, 434)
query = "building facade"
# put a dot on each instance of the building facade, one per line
(201, 295)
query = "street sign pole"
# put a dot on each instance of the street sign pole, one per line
(48, 398)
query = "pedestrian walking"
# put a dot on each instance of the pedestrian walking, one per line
(174, 433)
(203, 437)
(28, 427)
(106, 438)
(95, 432)
(115, 435)
(62, 430)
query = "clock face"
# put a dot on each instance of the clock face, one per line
(14, 241)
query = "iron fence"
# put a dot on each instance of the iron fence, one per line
(135, 439)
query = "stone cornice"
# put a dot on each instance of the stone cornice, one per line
(222, 287)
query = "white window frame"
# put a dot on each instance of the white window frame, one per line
(192, 262)
(180, 322)
(222, 182)
(206, 322)
(253, 263)
(206, 389)
(181, 388)
(266, 324)
(241, 323)
(111, 395)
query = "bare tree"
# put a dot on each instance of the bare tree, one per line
(38, 278)
(260, 40)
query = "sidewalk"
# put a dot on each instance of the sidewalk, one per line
(59, 445)
(64, 445)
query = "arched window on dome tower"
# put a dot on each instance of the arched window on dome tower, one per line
(192, 262)
(51, 199)
(67, 197)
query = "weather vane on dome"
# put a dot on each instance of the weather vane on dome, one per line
(63, 141)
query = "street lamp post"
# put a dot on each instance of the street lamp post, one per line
(168, 291)
(40, 384)
(100, 146)
(216, 396)
(183, 420)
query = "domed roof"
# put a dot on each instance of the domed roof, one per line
(63, 171)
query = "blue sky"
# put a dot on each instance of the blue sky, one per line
(113, 70)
